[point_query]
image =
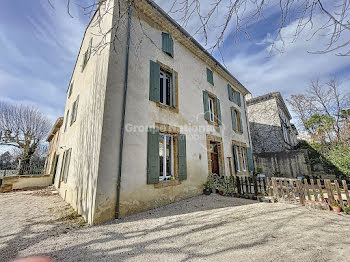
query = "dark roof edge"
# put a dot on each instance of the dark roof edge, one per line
(183, 31)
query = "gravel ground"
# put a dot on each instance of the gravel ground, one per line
(204, 228)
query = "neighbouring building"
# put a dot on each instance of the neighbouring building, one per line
(53, 150)
(269, 121)
(274, 138)
(184, 116)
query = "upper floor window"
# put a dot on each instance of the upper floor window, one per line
(70, 89)
(87, 55)
(167, 44)
(234, 95)
(163, 87)
(74, 111)
(210, 76)
(66, 123)
(236, 120)
(212, 111)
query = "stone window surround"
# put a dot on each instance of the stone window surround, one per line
(173, 130)
(212, 138)
(215, 123)
(168, 69)
(239, 147)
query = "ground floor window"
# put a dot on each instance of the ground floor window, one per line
(244, 162)
(236, 158)
(166, 157)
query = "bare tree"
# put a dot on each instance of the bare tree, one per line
(24, 128)
(321, 111)
(328, 19)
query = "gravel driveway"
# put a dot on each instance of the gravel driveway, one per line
(204, 228)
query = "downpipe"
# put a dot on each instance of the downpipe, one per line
(123, 113)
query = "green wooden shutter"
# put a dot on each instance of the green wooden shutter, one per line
(66, 168)
(154, 82)
(182, 157)
(173, 88)
(206, 106)
(168, 44)
(76, 109)
(235, 159)
(72, 113)
(230, 92)
(153, 156)
(234, 119)
(250, 159)
(63, 164)
(210, 76)
(218, 110)
(238, 98)
(240, 122)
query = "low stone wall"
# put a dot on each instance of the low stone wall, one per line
(22, 182)
(287, 164)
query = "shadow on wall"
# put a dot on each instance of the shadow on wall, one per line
(88, 145)
(292, 163)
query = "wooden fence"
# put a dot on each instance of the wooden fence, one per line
(319, 193)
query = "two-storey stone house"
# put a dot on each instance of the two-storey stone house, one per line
(148, 117)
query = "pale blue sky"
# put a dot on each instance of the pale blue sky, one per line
(39, 46)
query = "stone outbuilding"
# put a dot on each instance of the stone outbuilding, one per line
(274, 138)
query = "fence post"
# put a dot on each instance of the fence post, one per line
(291, 181)
(269, 186)
(346, 192)
(306, 183)
(255, 186)
(320, 189)
(329, 191)
(300, 192)
(275, 188)
(238, 185)
(339, 194)
(281, 187)
(313, 190)
(287, 188)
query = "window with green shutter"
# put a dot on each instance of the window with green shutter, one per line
(250, 159)
(218, 111)
(67, 164)
(230, 93)
(182, 157)
(167, 44)
(206, 105)
(154, 82)
(70, 89)
(240, 122)
(210, 76)
(238, 98)
(234, 118)
(153, 156)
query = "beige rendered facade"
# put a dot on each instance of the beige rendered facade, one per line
(185, 117)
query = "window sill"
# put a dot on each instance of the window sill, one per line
(168, 183)
(213, 123)
(168, 108)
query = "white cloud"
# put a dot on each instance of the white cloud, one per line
(289, 72)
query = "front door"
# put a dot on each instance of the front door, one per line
(214, 158)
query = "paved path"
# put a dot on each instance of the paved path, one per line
(204, 228)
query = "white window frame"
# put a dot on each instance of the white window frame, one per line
(163, 77)
(237, 158)
(243, 159)
(165, 176)
(211, 109)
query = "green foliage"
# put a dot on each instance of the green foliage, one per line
(334, 157)
(319, 124)
(339, 156)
